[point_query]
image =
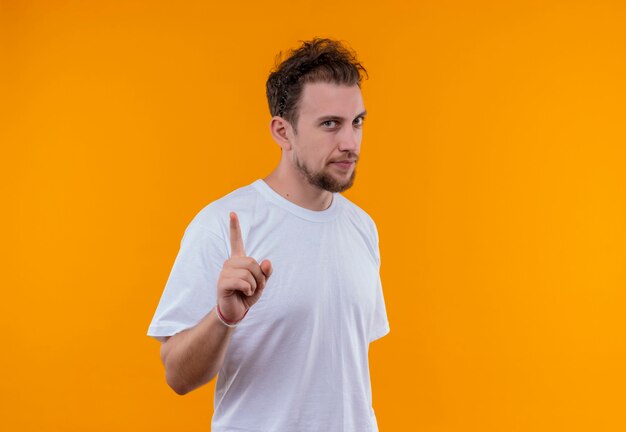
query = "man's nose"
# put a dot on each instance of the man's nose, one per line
(350, 140)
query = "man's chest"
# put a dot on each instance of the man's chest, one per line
(323, 269)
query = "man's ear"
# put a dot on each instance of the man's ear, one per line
(281, 130)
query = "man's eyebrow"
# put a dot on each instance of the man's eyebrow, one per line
(336, 117)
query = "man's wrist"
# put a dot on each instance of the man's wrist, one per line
(227, 322)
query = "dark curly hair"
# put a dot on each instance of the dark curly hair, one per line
(318, 60)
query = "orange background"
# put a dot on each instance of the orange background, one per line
(493, 162)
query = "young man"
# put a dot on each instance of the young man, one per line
(276, 286)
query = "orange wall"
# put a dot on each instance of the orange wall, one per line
(493, 162)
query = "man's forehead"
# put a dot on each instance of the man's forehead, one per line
(322, 98)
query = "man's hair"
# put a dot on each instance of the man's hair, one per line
(318, 60)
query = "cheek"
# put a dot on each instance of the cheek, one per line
(318, 151)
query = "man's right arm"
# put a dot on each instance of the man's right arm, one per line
(194, 356)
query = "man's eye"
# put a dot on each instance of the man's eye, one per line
(358, 121)
(330, 123)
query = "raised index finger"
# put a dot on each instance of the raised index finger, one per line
(236, 240)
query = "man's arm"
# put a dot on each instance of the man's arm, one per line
(194, 356)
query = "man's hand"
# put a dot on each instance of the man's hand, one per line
(242, 279)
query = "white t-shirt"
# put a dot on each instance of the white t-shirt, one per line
(298, 361)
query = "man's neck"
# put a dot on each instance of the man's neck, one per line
(295, 188)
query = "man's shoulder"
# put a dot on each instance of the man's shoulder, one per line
(214, 216)
(355, 211)
(360, 218)
(364, 223)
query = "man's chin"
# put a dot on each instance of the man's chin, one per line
(330, 183)
(326, 179)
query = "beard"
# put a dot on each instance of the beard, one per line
(325, 180)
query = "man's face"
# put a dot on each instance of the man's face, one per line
(327, 145)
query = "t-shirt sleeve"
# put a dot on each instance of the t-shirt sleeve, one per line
(380, 325)
(191, 289)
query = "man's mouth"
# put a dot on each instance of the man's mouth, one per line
(345, 164)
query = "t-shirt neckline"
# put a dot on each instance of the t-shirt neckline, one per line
(311, 215)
